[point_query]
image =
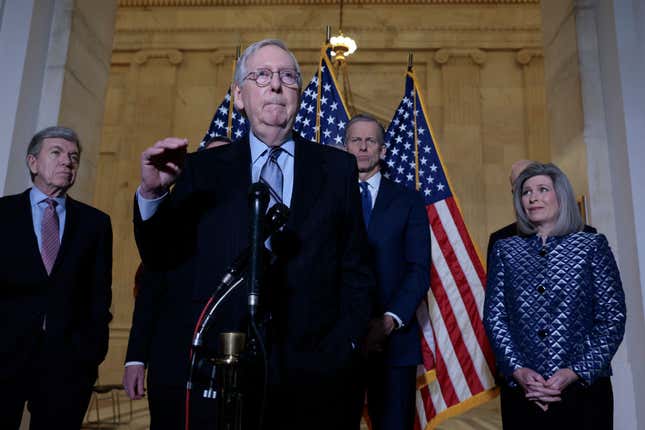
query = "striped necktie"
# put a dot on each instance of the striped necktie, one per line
(49, 234)
(271, 175)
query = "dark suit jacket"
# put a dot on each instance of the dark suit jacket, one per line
(75, 297)
(144, 316)
(316, 291)
(400, 242)
(511, 230)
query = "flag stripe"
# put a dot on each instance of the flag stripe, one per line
(459, 335)
(465, 313)
(445, 392)
(427, 337)
(462, 277)
(473, 261)
(470, 264)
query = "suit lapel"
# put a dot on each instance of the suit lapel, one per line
(385, 196)
(241, 162)
(308, 181)
(69, 230)
(27, 223)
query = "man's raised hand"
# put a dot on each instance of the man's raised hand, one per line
(161, 164)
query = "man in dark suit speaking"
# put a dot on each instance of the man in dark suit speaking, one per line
(55, 290)
(315, 292)
(399, 237)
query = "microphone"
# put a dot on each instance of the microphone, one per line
(273, 221)
(258, 201)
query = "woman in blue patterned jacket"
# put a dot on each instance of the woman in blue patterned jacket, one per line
(554, 311)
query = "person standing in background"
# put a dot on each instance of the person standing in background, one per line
(55, 290)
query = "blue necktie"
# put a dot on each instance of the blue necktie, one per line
(271, 175)
(366, 200)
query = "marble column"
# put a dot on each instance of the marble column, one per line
(462, 131)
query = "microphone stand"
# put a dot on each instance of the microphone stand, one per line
(256, 351)
(258, 201)
(247, 266)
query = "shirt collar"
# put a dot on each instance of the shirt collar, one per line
(36, 196)
(374, 181)
(259, 148)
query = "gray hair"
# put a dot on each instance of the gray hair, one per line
(569, 219)
(36, 142)
(240, 67)
(365, 117)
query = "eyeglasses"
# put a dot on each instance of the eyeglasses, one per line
(263, 77)
(368, 141)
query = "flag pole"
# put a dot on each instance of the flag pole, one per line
(417, 182)
(319, 75)
(229, 128)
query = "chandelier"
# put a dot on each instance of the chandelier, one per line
(341, 45)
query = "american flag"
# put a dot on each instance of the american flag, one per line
(322, 116)
(458, 364)
(227, 121)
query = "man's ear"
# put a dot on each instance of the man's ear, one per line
(31, 163)
(383, 152)
(237, 97)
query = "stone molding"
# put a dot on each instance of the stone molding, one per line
(202, 3)
(141, 28)
(524, 56)
(174, 56)
(442, 56)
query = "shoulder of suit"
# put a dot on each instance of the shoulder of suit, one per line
(326, 153)
(223, 152)
(86, 209)
(504, 232)
(401, 190)
(14, 200)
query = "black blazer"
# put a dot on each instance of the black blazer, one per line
(399, 236)
(316, 291)
(76, 296)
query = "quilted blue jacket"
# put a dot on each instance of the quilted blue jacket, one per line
(554, 306)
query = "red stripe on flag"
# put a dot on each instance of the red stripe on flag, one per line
(456, 338)
(466, 239)
(460, 279)
(427, 354)
(445, 383)
(477, 323)
(428, 406)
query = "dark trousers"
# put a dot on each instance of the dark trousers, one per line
(168, 406)
(57, 393)
(581, 408)
(390, 394)
(319, 407)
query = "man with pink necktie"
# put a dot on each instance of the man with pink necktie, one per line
(55, 290)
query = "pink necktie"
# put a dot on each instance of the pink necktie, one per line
(50, 240)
